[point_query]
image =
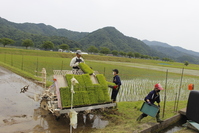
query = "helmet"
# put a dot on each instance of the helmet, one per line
(158, 86)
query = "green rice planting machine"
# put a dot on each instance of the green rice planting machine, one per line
(80, 90)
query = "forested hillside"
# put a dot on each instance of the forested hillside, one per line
(107, 40)
(178, 53)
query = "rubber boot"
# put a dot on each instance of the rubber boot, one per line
(158, 118)
(140, 118)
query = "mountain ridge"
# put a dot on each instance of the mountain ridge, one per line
(108, 37)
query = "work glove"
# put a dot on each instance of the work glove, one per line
(115, 87)
(76, 64)
(149, 103)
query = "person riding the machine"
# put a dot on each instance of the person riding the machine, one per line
(76, 60)
(150, 99)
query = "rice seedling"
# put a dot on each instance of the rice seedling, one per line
(137, 89)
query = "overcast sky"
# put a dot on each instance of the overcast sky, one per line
(175, 22)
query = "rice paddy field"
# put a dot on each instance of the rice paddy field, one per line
(138, 76)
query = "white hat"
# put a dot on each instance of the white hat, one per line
(79, 52)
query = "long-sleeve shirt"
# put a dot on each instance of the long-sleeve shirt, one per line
(153, 96)
(75, 60)
(116, 80)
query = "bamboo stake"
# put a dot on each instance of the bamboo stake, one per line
(165, 94)
(179, 89)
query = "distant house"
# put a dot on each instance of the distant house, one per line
(60, 50)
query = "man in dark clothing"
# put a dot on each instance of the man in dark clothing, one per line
(151, 98)
(116, 88)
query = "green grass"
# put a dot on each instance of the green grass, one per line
(124, 120)
(24, 52)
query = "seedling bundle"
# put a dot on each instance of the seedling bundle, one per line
(86, 93)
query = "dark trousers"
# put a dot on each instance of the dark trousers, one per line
(114, 94)
(145, 115)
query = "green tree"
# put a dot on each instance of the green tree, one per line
(122, 53)
(7, 41)
(186, 63)
(27, 43)
(156, 58)
(105, 50)
(93, 49)
(64, 46)
(115, 52)
(130, 54)
(137, 55)
(47, 45)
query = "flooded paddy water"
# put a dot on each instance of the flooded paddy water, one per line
(21, 114)
(137, 89)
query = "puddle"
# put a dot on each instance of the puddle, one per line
(20, 113)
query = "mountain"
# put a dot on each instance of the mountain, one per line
(186, 51)
(105, 37)
(113, 39)
(36, 32)
(42, 29)
(156, 43)
(177, 53)
(108, 37)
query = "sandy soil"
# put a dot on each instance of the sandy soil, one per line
(21, 114)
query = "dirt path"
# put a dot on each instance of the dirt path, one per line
(157, 68)
(21, 114)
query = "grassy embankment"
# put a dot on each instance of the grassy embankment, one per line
(124, 120)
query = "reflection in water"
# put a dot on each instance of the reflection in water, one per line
(48, 123)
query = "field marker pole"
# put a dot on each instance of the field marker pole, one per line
(22, 62)
(62, 65)
(104, 70)
(165, 94)
(179, 89)
(5, 57)
(175, 102)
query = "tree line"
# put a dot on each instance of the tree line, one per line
(46, 45)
